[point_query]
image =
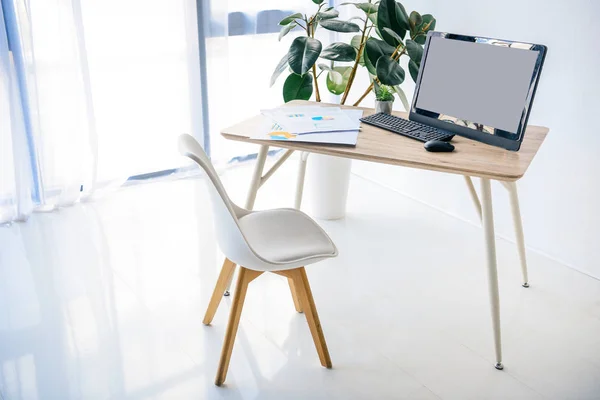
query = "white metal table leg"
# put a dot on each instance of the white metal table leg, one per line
(300, 179)
(518, 225)
(511, 187)
(256, 176)
(473, 194)
(254, 185)
(490, 242)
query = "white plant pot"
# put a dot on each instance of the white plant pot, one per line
(329, 179)
(383, 106)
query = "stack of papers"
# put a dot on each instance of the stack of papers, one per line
(311, 124)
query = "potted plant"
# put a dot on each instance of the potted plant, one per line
(386, 33)
(384, 98)
(383, 33)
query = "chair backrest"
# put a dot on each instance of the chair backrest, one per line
(226, 213)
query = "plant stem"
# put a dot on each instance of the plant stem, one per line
(355, 67)
(301, 26)
(395, 56)
(310, 32)
(317, 94)
(364, 94)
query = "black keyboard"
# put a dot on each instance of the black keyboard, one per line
(411, 129)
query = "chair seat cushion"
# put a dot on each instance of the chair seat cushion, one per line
(286, 236)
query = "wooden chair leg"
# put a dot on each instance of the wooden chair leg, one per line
(297, 304)
(244, 278)
(302, 286)
(222, 282)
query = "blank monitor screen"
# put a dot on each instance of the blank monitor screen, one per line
(476, 82)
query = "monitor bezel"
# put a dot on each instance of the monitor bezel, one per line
(501, 138)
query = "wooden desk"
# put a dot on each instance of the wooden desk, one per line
(469, 159)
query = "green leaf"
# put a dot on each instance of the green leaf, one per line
(339, 52)
(283, 63)
(393, 34)
(413, 68)
(355, 42)
(374, 49)
(376, 87)
(373, 18)
(390, 16)
(339, 88)
(415, 20)
(383, 92)
(336, 78)
(356, 17)
(402, 16)
(368, 8)
(286, 29)
(428, 23)
(317, 1)
(328, 14)
(420, 38)
(368, 63)
(334, 75)
(290, 18)
(339, 26)
(389, 71)
(303, 53)
(297, 87)
(415, 51)
(402, 97)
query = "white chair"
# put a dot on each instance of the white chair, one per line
(281, 241)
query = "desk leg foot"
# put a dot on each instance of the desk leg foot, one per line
(490, 242)
(525, 285)
(499, 366)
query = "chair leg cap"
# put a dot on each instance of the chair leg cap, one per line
(525, 285)
(226, 294)
(499, 366)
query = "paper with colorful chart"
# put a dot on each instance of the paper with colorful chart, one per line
(311, 119)
(272, 130)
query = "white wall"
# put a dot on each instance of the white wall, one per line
(560, 194)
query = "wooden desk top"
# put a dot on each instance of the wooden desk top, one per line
(378, 145)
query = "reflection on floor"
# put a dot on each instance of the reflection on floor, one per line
(105, 300)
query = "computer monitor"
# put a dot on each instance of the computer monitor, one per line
(477, 87)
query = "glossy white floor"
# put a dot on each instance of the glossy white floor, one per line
(105, 300)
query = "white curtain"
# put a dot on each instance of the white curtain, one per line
(144, 69)
(15, 174)
(51, 157)
(99, 90)
(91, 93)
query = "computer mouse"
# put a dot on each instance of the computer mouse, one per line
(438, 146)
